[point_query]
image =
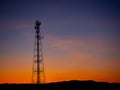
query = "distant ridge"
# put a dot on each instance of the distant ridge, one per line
(69, 81)
(65, 85)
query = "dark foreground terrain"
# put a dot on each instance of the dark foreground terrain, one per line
(65, 85)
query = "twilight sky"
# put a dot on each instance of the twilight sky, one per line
(81, 39)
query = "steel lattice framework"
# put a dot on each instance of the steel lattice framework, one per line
(38, 75)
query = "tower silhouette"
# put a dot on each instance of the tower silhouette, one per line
(38, 75)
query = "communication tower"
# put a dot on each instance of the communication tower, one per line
(38, 75)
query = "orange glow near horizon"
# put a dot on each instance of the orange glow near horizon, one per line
(55, 76)
(73, 65)
(62, 73)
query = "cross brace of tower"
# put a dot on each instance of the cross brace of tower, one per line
(38, 75)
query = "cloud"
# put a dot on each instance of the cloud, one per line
(93, 42)
(15, 25)
(80, 53)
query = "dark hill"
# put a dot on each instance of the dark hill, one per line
(65, 85)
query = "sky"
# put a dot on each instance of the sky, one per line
(81, 39)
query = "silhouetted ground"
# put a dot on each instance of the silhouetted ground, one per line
(65, 85)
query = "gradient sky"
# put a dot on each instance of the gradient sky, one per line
(81, 39)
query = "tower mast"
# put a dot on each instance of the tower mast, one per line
(38, 75)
